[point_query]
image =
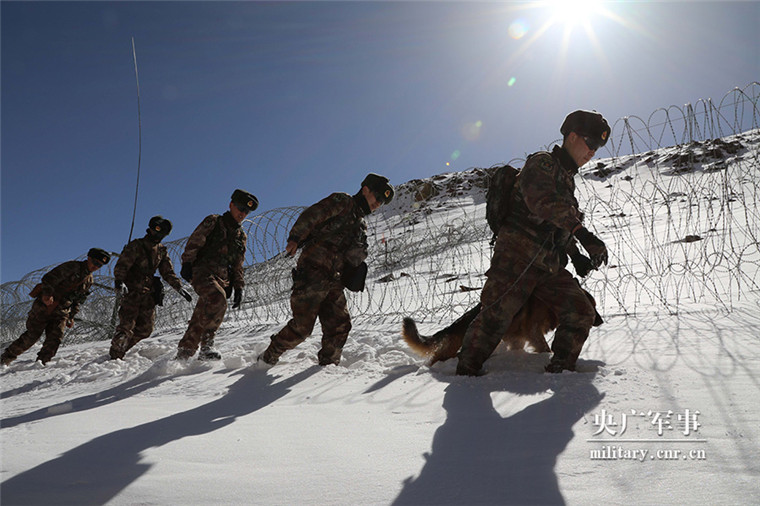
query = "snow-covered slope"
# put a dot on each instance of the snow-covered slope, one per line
(663, 408)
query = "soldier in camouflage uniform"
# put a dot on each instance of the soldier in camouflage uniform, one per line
(213, 263)
(135, 268)
(333, 236)
(58, 297)
(531, 248)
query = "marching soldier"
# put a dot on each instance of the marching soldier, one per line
(333, 236)
(531, 248)
(135, 269)
(57, 299)
(213, 263)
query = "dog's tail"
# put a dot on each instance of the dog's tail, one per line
(422, 345)
(442, 345)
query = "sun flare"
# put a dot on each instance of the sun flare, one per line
(573, 12)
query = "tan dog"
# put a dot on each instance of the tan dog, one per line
(529, 326)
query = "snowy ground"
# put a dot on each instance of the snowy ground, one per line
(664, 409)
(382, 428)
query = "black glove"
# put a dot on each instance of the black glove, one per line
(185, 294)
(119, 287)
(237, 298)
(593, 246)
(187, 272)
(582, 264)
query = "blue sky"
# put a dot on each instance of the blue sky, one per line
(293, 101)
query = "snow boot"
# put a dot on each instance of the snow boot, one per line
(6, 358)
(184, 354)
(261, 364)
(118, 347)
(272, 354)
(209, 353)
(329, 357)
(557, 365)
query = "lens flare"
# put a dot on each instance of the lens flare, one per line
(518, 29)
(511, 81)
(471, 131)
(456, 154)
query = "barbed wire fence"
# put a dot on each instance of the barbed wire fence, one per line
(683, 237)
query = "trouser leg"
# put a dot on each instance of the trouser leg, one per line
(53, 337)
(207, 316)
(336, 324)
(145, 323)
(36, 322)
(575, 314)
(305, 304)
(501, 299)
(128, 312)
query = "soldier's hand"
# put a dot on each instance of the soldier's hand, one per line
(185, 294)
(594, 246)
(582, 264)
(187, 272)
(70, 322)
(291, 248)
(48, 300)
(237, 298)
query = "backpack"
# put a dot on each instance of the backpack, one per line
(499, 197)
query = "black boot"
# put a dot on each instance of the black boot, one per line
(6, 358)
(327, 357)
(184, 354)
(557, 365)
(209, 353)
(118, 347)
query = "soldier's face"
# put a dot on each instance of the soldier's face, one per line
(237, 214)
(93, 265)
(371, 200)
(578, 149)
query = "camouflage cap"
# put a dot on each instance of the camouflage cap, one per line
(588, 124)
(159, 225)
(380, 186)
(99, 255)
(244, 200)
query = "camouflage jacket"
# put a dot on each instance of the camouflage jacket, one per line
(332, 233)
(69, 284)
(544, 211)
(217, 247)
(138, 262)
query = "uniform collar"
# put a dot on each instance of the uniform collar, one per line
(229, 221)
(565, 160)
(152, 239)
(362, 203)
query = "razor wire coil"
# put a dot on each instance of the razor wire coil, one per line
(686, 235)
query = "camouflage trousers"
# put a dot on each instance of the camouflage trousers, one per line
(39, 321)
(314, 297)
(207, 316)
(505, 292)
(137, 317)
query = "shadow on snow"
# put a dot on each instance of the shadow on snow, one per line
(112, 462)
(479, 457)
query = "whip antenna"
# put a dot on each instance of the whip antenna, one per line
(139, 140)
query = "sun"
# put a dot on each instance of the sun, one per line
(574, 12)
